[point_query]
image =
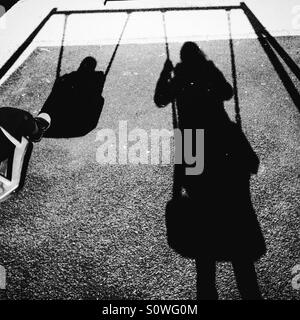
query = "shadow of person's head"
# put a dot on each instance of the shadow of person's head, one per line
(87, 65)
(190, 53)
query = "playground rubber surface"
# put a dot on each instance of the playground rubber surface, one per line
(84, 230)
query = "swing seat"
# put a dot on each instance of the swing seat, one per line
(13, 169)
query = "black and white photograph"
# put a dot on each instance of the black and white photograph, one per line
(149, 154)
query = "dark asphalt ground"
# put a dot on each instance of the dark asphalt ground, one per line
(81, 230)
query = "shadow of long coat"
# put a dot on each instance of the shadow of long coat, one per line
(223, 224)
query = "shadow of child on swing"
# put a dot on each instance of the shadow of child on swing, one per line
(75, 103)
(210, 217)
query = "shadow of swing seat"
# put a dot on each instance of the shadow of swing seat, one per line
(75, 103)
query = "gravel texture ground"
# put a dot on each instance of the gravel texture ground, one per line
(81, 230)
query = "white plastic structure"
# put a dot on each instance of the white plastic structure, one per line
(10, 183)
(2, 278)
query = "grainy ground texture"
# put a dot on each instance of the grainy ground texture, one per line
(81, 230)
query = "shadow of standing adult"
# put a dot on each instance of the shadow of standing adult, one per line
(222, 223)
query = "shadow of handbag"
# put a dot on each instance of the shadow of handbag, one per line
(241, 155)
(182, 226)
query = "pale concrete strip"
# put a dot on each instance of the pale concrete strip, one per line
(79, 4)
(167, 3)
(20, 21)
(98, 28)
(148, 27)
(280, 17)
(52, 32)
(144, 28)
(94, 29)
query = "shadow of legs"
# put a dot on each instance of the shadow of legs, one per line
(206, 279)
(246, 279)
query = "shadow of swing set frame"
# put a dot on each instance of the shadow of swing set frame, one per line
(269, 44)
